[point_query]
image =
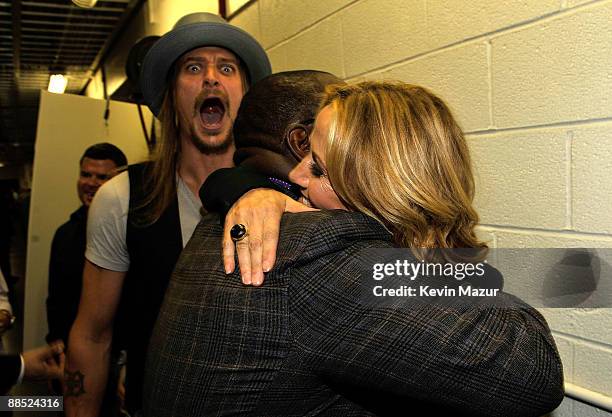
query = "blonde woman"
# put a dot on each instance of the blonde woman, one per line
(394, 152)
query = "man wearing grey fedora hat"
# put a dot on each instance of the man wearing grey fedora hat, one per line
(193, 79)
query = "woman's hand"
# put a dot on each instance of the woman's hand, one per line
(260, 211)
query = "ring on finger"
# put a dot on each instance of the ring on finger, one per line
(238, 232)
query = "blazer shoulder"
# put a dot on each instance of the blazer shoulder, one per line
(311, 235)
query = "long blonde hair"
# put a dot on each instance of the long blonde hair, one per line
(396, 153)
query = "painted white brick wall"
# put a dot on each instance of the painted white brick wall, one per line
(463, 83)
(583, 323)
(521, 172)
(377, 33)
(319, 47)
(592, 177)
(553, 71)
(249, 21)
(530, 81)
(453, 21)
(281, 19)
(589, 366)
(278, 58)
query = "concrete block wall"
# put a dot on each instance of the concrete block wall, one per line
(531, 83)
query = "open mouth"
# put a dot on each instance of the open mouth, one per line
(212, 111)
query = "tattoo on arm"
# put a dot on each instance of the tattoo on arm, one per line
(74, 382)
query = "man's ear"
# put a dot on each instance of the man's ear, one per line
(297, 140)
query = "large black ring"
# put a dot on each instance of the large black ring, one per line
(238, 232)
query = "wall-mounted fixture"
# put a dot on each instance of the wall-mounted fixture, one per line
(57, 83)
(228, 8)
(85, 3)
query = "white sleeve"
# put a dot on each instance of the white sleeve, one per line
(107, 225)
(20, 378)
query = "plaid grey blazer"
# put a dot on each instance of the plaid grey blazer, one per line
(303, 345)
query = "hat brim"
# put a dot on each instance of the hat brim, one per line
(170, 47)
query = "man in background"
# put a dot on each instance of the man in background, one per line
(99, 163)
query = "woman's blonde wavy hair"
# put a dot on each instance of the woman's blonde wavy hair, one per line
(396, 153)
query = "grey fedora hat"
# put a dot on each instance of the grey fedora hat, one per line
(190, 32)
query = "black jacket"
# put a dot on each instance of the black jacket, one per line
(66, 275)
(10, 367)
